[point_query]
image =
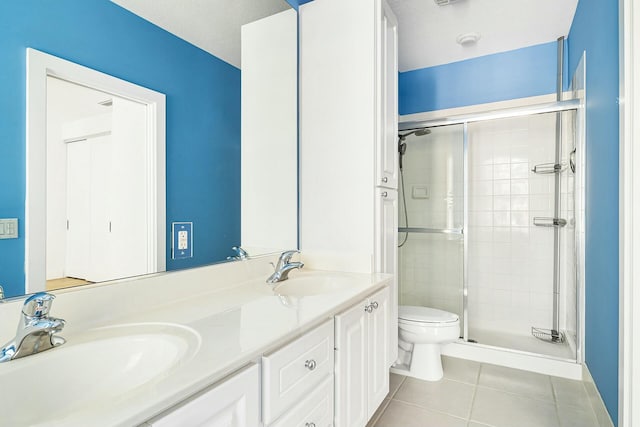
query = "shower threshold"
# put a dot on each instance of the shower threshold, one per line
(524, 342)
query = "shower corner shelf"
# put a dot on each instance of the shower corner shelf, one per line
(549, 335)
(549, 222)
(548, 168)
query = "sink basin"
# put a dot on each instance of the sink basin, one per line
(99, 368)
(310, 284)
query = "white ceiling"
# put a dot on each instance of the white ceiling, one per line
(212, 25)
(428, 32)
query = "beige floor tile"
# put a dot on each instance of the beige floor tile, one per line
(395, 381)
(516, 381)
(378, 412)
(570, 392)
(474, 424)
(399, 414)
(501, 409)
(462, 370)
(571, 416)
(451, 397)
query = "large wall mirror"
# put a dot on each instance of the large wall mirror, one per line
(93, 201)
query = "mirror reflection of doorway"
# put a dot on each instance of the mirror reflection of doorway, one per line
(97, 186)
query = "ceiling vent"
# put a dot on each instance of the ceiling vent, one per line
(444, 2)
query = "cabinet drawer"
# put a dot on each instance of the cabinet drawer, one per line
(232, 403)
(316, 409)
(295, 370)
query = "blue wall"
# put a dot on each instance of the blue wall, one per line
(518, 73)
(595, 29)
(203, 115)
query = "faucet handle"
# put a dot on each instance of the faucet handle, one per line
(38, 305)
(286, 256)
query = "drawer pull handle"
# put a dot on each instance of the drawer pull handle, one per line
(385, 179)
(310, 364)
(310, 425)
(368, 308)
(374, 305)
(384, 194)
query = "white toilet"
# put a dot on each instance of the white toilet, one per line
(422, 332)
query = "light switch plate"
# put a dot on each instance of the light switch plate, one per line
(8, 228)
(181, 240)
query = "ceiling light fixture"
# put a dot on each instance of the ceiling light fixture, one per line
(467, 39)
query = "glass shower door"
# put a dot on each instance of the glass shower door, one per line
(431, 219)
(520, 210)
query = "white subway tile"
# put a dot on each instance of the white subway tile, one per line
(520, 186)
(519, 203)
(502, 187)
(519, 219)
(520, 170)
(502, 219)
(502, 203)
(502, 171)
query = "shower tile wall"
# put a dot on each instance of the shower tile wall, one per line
(510, 280)
(430, 265)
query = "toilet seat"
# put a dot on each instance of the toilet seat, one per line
(413, 315)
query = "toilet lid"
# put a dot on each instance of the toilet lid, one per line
(425, 314)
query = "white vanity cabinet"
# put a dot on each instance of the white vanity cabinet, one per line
(362, 366)
(292, 377)
(234, 402)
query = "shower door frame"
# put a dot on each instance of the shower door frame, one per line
(576, 105)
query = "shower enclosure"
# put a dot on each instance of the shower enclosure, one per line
(490, 225)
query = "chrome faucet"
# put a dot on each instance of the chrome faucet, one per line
(284, 266)
(35, 330)
(241, 254)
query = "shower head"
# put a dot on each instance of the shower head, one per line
(417, 132)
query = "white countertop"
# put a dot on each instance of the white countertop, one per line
(235, 324)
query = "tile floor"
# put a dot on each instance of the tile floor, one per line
(476, 394)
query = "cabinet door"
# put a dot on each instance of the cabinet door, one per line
(387, 257)
(387, 102)
(233, 403)
(378, 344)
(351, 368)
(315, 408)
(295, 370)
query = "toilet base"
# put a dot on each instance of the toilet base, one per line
(426, 362)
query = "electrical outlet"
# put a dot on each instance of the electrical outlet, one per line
(181, 240)
(8, 228)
